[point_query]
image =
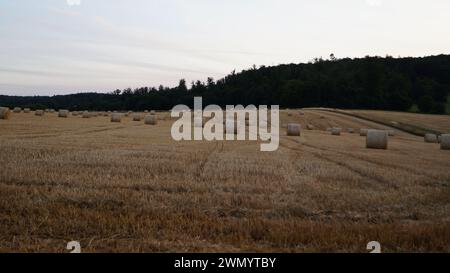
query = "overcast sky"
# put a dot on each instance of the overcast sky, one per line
(64, 46)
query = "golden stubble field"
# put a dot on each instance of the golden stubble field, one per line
(120, 187)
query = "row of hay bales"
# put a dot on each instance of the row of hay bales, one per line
(375, 139)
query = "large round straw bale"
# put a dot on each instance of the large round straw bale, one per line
(363, 132)
(26, 110)
(39, 113)
(151, 120)
(336, 131)
(116, 117)
(4, 113)
(289, 114)
(137, 117)
(351, 130)
(293, 129)
(63, 113)
(310, 127)
(52, 111)
(377, 139)
(301, 113)
(431, 138)
(17, 110)
(391, 132)
(75, 113)
(153, 112)
(445, 142)
(86, 114)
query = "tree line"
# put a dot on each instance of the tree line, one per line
(383, 83)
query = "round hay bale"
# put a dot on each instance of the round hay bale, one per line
(293, 129)
(116, 117)
(351, 130)
(445, 142)
(377, 139)
(27, 110)
(17, 110)
(39, 113)
(75, 113)
(363, 132)
(289, 114)
(336, 131)
(430, 138)
(151, 120)
(310, 127)
(4, 113)
(153, 112)
(86, 114)
(63, 113)
(52, 111)
(391, 132)
(301, 113)
(137, 117)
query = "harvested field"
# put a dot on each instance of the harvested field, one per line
(127, 186)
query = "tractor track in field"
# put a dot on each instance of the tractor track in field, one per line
(436, 179)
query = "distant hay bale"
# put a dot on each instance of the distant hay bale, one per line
(363, 132)
(17, 110)
(310, 127)
(289, 114)
(63, 113)
(431, 138)
(445, 142)
(4, 113)
(116, 117)
(75, 113)
(391, 132)
(151, 120)
(336, 131)
(27, 110)
(322, 117)
(52, 111)
(377, 139)
(146, 111)
(293, 129)
(86, 114)
(39, 113)
(351, 130)
(153, 112)
(137, 117)
(105, 114)
(301, 113)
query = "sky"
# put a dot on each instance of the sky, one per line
(50, 47)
